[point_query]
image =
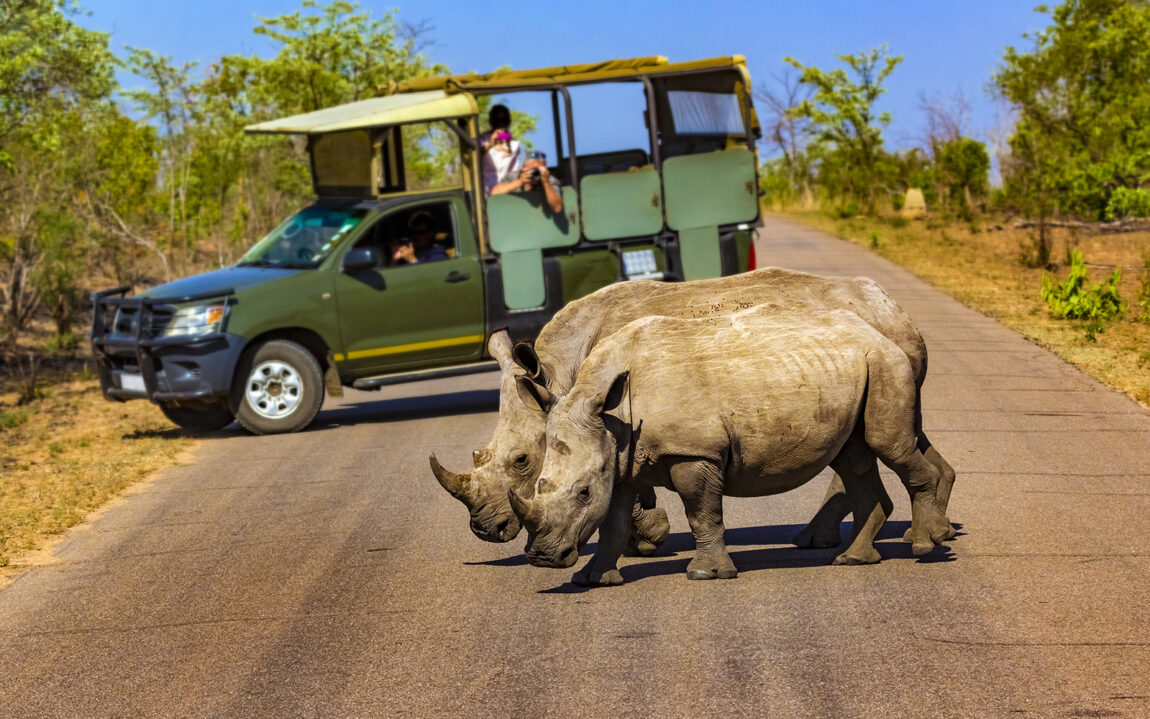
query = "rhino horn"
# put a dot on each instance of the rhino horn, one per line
(455, 484)
(522, 508)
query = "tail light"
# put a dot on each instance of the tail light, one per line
(751, 255)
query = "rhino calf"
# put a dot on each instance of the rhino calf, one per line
(749, 404)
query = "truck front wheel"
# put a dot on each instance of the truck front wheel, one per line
(282, 389)
(198, 417)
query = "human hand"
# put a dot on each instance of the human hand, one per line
(403, 253)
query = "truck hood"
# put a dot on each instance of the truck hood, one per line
(218, 281)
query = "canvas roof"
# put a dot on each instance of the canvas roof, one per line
(422, 106)
(562, 74)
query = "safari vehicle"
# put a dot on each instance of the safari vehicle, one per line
(316, 306)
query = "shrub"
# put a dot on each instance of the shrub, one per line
(1073, 301)
(847, 211)
(1126, 202)
(873, 237)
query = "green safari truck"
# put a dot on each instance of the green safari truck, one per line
(320, 303)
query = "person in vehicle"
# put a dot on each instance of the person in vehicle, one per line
(535, 174)
(419, 246)
(502, 154)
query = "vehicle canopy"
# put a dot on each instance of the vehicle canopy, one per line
(695, 180)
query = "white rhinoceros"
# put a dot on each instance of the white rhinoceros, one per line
(749, 404)
(514, 455)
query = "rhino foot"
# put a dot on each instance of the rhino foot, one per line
(945, 531)
(712, 568)
(817, 537)
(639, 548)
(853, 557)
(588, 578)
(651, 528)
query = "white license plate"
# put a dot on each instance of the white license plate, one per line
(133, 382)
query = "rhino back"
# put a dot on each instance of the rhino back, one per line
(568, 339)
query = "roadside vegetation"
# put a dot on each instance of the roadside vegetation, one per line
(1059, 247)
(980, 267)
(64, 452)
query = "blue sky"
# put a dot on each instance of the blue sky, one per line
(949, 46)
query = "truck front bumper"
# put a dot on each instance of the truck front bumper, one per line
(161, 369)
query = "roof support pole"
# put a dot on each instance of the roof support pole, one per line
(652, 122)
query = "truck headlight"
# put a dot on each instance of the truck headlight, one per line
(200, 320)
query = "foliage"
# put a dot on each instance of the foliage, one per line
(1072, 299)
(1126, 202)
(962, 167)
(845, 127)
(1081, 95)
(1144, 289)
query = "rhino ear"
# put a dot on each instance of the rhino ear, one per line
(499, 346)
(534, 395)
(616, 392)
(525, 356)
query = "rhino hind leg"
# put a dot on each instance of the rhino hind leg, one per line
(700, 484)
(823, 529)
(868, 500)
(945, 484)
(890, 430)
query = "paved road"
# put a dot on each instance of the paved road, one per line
(327, 574)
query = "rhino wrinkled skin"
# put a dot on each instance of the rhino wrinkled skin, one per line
(750, 404)
(513, 457)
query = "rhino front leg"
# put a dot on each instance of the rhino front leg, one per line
(601, 569)
(700, 484)
(823, 529)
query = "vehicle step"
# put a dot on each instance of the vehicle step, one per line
(370, 383)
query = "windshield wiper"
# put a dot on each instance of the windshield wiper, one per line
(257, 263)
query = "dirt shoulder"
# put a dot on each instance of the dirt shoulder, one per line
(980, 267)
(64, 455)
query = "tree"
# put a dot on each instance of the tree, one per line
(49, 68)
(1082, 96)
(843, 117)
(787, 130)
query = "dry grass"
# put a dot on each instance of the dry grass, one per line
(66, 454)
(982, 269)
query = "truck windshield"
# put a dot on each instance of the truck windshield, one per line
(304, 240)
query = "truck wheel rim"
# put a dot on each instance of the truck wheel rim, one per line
(274, 390)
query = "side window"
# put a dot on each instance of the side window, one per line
(413, 235)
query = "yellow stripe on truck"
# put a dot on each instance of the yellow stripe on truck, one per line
(413, 347)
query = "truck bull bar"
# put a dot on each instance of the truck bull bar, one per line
(144, 346)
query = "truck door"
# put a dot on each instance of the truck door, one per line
(400, 316)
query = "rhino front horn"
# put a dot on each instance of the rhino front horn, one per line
(521, 507)
(455, 484)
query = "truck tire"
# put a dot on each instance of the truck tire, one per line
(198, 417)
(282, 388)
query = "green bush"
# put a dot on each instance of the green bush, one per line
(848, 210)
(1072, 300)
(1126, 202)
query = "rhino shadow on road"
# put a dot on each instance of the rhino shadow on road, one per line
(743, 536)
(670, 563)
(405, 408)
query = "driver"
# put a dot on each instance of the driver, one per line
(419, 246)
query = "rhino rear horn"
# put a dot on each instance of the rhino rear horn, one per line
(457, 485)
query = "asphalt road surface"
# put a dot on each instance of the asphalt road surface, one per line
(326, 574)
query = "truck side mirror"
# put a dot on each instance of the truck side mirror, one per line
(361, 258)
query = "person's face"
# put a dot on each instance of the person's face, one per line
(500, 120)
(422, 235)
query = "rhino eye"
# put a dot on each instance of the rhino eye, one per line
(584, 495)
(521, 460)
